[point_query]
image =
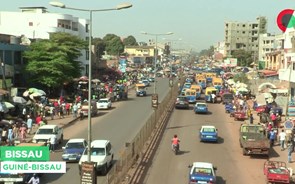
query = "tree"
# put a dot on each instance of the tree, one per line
(241, 77)
(244, 57)
(207, 52)
(114, 45)
(130, 41)
(53, 62)
(100, 46)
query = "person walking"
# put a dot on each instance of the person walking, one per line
(29, 124)
(290, 151)
(272, 137)
(23, 132)
(282, 138)
(10, 136)
(75, 110)
(251, 118)
(15, 131)
(34, 180)
(52, 141)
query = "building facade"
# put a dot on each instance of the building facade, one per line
(244, 35)
(38, 23)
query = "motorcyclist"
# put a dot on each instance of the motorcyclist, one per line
(175, 142)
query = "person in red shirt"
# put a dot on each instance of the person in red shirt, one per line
(38, 119)
(68, 106)
(175, 142)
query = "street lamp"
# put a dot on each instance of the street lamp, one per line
(156, 53)
(118, 7)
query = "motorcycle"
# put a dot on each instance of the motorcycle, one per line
(175, 148)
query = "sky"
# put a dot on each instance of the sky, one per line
(196, 24)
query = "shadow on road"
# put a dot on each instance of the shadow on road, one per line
(220, 180)
(175, 127)
(182, 152)
(273, 153)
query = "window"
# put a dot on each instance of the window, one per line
(244, 32)
(87, 28)
(244, 25)
(30, 23)
(87, 54)
(293, 64)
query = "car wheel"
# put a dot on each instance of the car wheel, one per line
(105, 169)
(61, 139)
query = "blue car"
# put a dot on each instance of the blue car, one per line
(208, 133)
(73, 150)
(202, 172)
(201, 108)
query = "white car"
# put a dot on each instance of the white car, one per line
(104, 103)
(101, 153)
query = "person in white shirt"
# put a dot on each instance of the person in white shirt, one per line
(282, 138)
(34, 180)
(52, 141)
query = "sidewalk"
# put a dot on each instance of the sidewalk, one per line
(62, 122)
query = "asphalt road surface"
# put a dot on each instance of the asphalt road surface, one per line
(226, 155)
(120, 125)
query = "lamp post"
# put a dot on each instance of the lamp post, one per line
(156, 52)
(118, 7)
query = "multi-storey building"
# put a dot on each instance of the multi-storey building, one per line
(38, 23)
(244, 35)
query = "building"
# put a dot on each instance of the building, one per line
(244, 35)
(11, 59)
(38, 23)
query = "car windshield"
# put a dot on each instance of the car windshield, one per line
(203, 171)
(77, 145)
(181, 99)
(96, 151)
(44, 131)
(208, 129)
(102, 101)
(201, 105)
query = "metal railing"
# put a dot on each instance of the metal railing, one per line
(134, 150)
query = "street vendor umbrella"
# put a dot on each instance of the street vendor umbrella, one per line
(19, 99)
(33, 90)
(95, 80)
(35, 94)
(41, 92)
(26, 93)
(242, 90)
(230, 81)
(8, 105)
(241, 85)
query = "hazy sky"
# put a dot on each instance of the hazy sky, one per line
(198, 23)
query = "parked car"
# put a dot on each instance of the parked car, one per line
(84, 109)
(202, 172)
(152, 79)
(181, 102)
(104, 103)
(208, 133)
(73, 150)
(227, 98)
(201, 107)
(101, 153)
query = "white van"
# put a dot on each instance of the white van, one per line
(101, 153)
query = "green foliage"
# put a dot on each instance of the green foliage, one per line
(242, 77)
(100, 46)
(114, 45)
(52, 62)
(244, 57)
(130, 41)
(207, 52)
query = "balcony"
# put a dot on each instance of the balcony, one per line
(284, 75)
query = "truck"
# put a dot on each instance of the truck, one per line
(253, 140)
(18, 178)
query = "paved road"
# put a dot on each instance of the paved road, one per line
(232, 166)
(120, 125)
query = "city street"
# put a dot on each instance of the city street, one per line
(120, 125)
(226, 155)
